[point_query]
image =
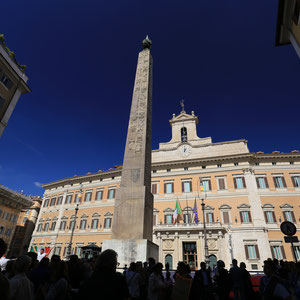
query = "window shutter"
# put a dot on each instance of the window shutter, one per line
(234, 181)
(244, 182)
(266, 219)
(283, 181)
(221, 184)
(154, 219)
(165, 217)
(241, 216)
(275, 184)
(165, 187)
(213, 218)
(257, 252)
(225, 217)
(206, 217)
(266, 182)
(246, 251)
(293, 216)
(272, 252)
(257, 182)
(282, 252)
(274, 217)
(182, 186)
(191, 186)
(293, 181)
(209, 184)
(249, 214)
(172, 187)
(114, 191)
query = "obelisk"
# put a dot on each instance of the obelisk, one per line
(133, 212)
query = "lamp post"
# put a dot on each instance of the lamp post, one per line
(79, 195)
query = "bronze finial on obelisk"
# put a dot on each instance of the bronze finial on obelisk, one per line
(133, 212)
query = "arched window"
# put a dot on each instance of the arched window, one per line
(169, 260)
(53, 226)
(212, 261)
(183, 134)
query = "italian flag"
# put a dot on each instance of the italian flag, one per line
(177, 212)
(36, 249)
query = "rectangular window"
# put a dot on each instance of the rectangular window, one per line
(209, 217)
(169, 187)
(279, 182)
(72, 223)
(276, 251)
(262, 182)
(53, 225)
(68, 199)
(46, 227)
(63, 225)
(82, 224)
(1, 229)
(270, 217)
(245, 217)
(296, 181)
(239, 182)
(154, 188)
(297, 252)
(57, 250)
(53, 200)
(7, 216)
(39, 228)
(221, 183)
(95, 223)
(225, 217)
(6, 81)
(107, 223)
(289, 216)
(88, 196)
(59, 200)
(77, 198)
(251, 251)
(99, 195)
(169, 219)
(206, 184)
(46, 202)
(186, 186)
(187, 218)
(111, 194)
(154, 219)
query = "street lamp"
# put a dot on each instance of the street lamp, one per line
(204, 225)
(79, 195)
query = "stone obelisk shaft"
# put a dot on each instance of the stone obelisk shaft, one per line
(133, 212)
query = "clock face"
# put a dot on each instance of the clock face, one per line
(184, 150)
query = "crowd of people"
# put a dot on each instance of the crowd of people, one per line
(33, 277)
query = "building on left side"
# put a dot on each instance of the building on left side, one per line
(11, 205)
(13, 83)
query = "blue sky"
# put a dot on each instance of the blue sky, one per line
(81, 58)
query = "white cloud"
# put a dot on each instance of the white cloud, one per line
(38, 184)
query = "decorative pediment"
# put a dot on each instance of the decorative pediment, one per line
(286, 205)
(188, 209)
(155, 210)
(84, 216)
(95, 215)
(268, 205)
(55, 219)
(168, 210)
(224, 206)
(41, 220)
(208, 207)
(108, 214)
(64, 218)
(183, 116)
(48, 219)
(243, 206)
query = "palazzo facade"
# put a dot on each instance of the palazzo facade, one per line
(246, 196)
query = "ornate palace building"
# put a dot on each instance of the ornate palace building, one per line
(246, 196)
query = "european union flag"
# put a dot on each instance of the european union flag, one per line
(196, 212)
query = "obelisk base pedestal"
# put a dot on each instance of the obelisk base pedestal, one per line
(132, 250)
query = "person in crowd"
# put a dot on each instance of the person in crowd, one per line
(222, 280)
(57, 286)
(183, 270)
(271, 287)
(133, 280)
(156, 283)
(151, 264)
(169, 282)
(74, 272)
(246, 282)
(4, 283)
(40, 275)
(105, 282)
(143, 283)
(21, 288)
(202, 284)
(236, 280)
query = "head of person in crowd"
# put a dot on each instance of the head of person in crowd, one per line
(145, 264)
(242, 265)
(55, 258)
(107, 261)
(10, 269)
(44, 263)
(132, 266)
(33, 257)
(234, 263)
(269, 268)
(42, 250)
(139, 265)
(275, 262)
(181, 268)
(151, 262)
(187, 268)
(3, 247)
(58, 270)
(157, 268)
(203, 266)
(220, 264)
(74, 259)
(22, 264)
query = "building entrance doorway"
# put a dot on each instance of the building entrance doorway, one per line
(190, 254)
